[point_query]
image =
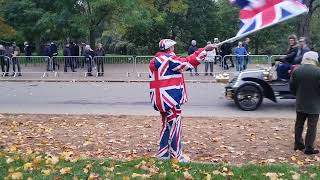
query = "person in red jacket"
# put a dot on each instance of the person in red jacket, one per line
(168, 93)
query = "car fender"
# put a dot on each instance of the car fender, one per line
(265, 87)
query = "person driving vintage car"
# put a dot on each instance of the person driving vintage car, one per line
(288, 60)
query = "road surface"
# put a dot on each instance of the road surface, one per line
(205, 99)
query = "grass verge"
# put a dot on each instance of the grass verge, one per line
(30, 165)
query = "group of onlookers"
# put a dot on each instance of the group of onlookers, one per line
(72, 52)
(222, 54)
(8, 55)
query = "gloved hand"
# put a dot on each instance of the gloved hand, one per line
(210, 47)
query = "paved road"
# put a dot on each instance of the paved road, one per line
(205, 99)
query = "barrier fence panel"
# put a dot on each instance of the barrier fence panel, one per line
(232, 63)
(25, 67)
(210, 66)
(29, 63)
(142, 66)
(118, 67)
(274, 57)
(113, 63)
(66, 63)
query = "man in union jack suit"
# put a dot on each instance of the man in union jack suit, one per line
(168, 93)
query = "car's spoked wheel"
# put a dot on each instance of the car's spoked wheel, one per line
(248, 97)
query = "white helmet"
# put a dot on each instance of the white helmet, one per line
(166, 44)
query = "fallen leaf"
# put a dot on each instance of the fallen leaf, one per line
(17, 176)
(293, 158)
(187, 175)
(313, 175)
(52, 160)
(142, 176)
(273, 176)
(46, 172)
(271, 160)
(208, 176)
(9, 160)
(27, 166)
(295, 176)
(65, 170)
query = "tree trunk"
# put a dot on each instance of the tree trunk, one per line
(92, 39)
(304, 20)
(304, 26)
(256, 44)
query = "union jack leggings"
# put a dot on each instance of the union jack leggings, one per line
(170, 136)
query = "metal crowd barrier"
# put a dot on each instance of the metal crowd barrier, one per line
(142, 66)
(114, 67)
(210, 66)
(274, 57)
(232, 62)
(116, 64)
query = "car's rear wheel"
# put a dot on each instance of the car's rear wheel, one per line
(248, 97)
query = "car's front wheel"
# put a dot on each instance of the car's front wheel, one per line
(248, 97)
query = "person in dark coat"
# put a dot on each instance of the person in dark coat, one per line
(305, 85)
(303, 48)
(27, 52)
(53, 54)
(287, 61)
(100, 53)
(68, 59)
(225, 53)
(47, 52)
(193, 48)
(4, 61)
(246, 58)
(76, 53)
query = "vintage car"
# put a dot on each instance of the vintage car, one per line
(248, 88)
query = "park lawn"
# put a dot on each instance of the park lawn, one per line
(14, 165)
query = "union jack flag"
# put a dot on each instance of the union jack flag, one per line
(167, 86)
(259, 14)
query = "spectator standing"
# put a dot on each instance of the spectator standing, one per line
(100, 52)
(217, 58)
(27, 52)
(4, 61)
(89, 55)
(14, 52)
(209, 60)
(193, 48)
(54, 53)
(82, 61)
(47, 52)
(305, 85)
(225, 53)
(240, 52)
(68, 59)
(246, 58)
(302, 49)
(77, 54)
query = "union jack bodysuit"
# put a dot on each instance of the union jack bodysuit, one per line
(168, 93)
